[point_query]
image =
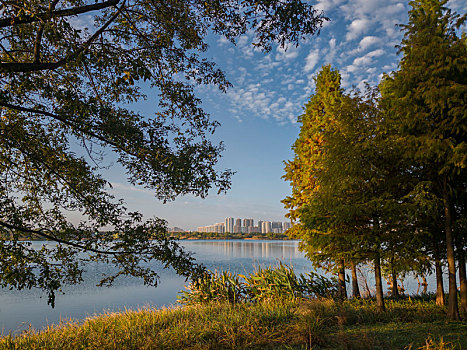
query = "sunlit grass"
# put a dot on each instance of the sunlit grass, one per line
(275, 324)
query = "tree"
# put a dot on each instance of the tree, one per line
(304, 173)
(425, 98)
(62, 84)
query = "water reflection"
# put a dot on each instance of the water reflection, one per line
(251, 249)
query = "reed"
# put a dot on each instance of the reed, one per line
(280, 283)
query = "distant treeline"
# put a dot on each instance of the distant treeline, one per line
(186, 235)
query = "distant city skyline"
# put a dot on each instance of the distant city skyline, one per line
(246, 225)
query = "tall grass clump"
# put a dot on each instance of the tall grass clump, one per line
(279, 283)
(213, 286)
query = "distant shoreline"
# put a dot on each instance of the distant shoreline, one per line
(196, 236)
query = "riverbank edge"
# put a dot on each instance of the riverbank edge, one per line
(275, 324)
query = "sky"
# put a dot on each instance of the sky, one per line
(258, 115)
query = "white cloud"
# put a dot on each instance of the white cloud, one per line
(326, 5)
(257, 100)
(120, 188)
(83, 22)
(223, 41)
(368, 41)
(364, 61)
(287, 54)
(312, 60)
(356, 28)
(375, 53)
(381, 15)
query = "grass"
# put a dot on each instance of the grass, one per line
(274, 324)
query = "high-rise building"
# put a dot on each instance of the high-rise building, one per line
(266, 227)
(286, 225)
(238, 222)
(260, 226)
(229, 225)
(248, 222)
(216, 228)
(276, 226)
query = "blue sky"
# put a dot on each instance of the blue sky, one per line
(258, 114)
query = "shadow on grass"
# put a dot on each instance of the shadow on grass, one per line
(438, 335)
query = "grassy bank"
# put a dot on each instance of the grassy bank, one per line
(326, 324)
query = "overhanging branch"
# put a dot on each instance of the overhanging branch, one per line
(20, 67)
(14, 20)
(52, 238)
(42, 234)
(66, 122)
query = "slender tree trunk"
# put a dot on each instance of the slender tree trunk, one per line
(439, 281)
(341, 276)
(394, 290)
(367, 288)
(379, 284)
(424, 284)
(462, 276)
(355, 288)
(453, 309)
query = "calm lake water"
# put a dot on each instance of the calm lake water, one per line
(20, 310)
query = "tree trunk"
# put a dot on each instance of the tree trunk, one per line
(394, 289)
(379, 284)
(424, 284)
(453, 309)
(462, 276)
(439, 282)
(341, 276)
(355, 288)
(367, 288)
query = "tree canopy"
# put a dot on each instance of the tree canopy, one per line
(70, 70)
(425, 102)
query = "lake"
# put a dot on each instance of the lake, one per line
(20, 310)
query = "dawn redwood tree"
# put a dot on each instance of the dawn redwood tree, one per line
(304, 171)
(425, 100)
(69, 71)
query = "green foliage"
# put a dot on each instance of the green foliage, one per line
(66, 88)
(280, 283)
